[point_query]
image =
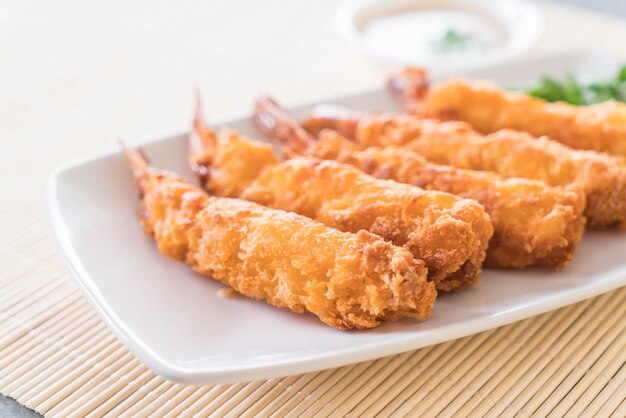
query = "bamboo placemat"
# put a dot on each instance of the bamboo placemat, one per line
(78, 74)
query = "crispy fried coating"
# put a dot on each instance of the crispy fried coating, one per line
(449, 233)
(534, 224)
(509, 153)
(489, 108)
(347, 280)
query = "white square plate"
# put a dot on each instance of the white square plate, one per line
(176, 323)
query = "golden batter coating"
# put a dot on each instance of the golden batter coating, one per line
(347, 280)
(489, 108)
(509, 153)
(534, 224)
(449, 233)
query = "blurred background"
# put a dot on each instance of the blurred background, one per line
(617, 7)
(90, 72)
(71, 63)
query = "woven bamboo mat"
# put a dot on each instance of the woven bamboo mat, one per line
(78, 74)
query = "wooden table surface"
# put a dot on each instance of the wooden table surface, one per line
(77, 75)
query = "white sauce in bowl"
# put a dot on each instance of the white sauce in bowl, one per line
(442, 34)
(430, 34)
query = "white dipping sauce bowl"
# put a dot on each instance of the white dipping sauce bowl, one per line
(410, 32)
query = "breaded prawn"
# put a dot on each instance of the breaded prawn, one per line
(347, 280)
(534, 224)
(509, 153)
(489, 108)
(449, 233)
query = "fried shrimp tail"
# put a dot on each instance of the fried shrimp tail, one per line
(338, 118)
(489, 108)
(448, 233)
(534, 224)
(269, 120)
(411, 84)
(347, 280)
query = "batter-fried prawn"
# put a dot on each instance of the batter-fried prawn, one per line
(347, 280)
(534, 224)
(449, 233)
(488, 108)
(509, 153)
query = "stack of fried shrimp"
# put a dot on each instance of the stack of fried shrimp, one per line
(488, 108)
(449, 233)
(347, 280)
(534, 224)
(601, 177)
(366, 216)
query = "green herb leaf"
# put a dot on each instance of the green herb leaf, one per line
(549, 89)
(453, 41)
(571, 90)
(597, 93)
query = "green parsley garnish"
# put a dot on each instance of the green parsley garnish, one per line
(571, 90)
(453, 41)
